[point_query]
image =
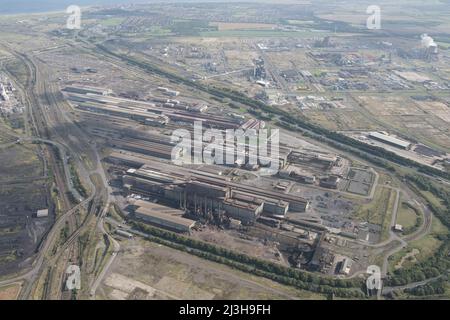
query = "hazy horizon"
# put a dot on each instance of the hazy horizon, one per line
(30, 6)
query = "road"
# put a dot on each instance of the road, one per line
(63, 151)
(101, 227)
(46, 246)
(393, 236)
(388, 290)
(75, 142)
(228, 73)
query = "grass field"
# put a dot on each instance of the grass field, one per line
(23, 157)
(420, 249)
(379, 210)
(257, 33)
(407, 216)
(4, 138)
(429, 244)
(432, 198)
(111, 22)
(226, 26)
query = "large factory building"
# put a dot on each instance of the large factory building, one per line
(162, 216)
(202, 194)
(390, 140)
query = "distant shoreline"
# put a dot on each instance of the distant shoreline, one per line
(24, 7)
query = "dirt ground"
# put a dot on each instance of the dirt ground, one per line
(10, 292)
(240, 242)
(146, 270)
(23, 191)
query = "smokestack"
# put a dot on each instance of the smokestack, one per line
(428, 41)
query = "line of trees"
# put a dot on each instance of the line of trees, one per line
(431, 288)
(289, 276)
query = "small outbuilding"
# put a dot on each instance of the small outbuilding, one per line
(42, 213)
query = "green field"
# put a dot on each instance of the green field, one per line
(422, 248)
(111, 22)
(259, 33)
(379, 210)
(409, 217)
(429, 244)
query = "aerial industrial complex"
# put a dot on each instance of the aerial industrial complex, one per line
(187, 198)
(225, 151)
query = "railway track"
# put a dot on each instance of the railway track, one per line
(50, 127)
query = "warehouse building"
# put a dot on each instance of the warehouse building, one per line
(122, 158)
(204, 193)
(331, 182)
(398, 143)
(168, 92)
(149, 148)
(143, 116)
(42, 213)
(162, 216)
(314, 158)
(88, 90)
(245, 211)
(297, 174)
(146, 112)
(272, 207)
(345, 266)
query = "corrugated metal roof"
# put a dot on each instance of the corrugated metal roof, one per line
(390, 139)
(158, 211)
